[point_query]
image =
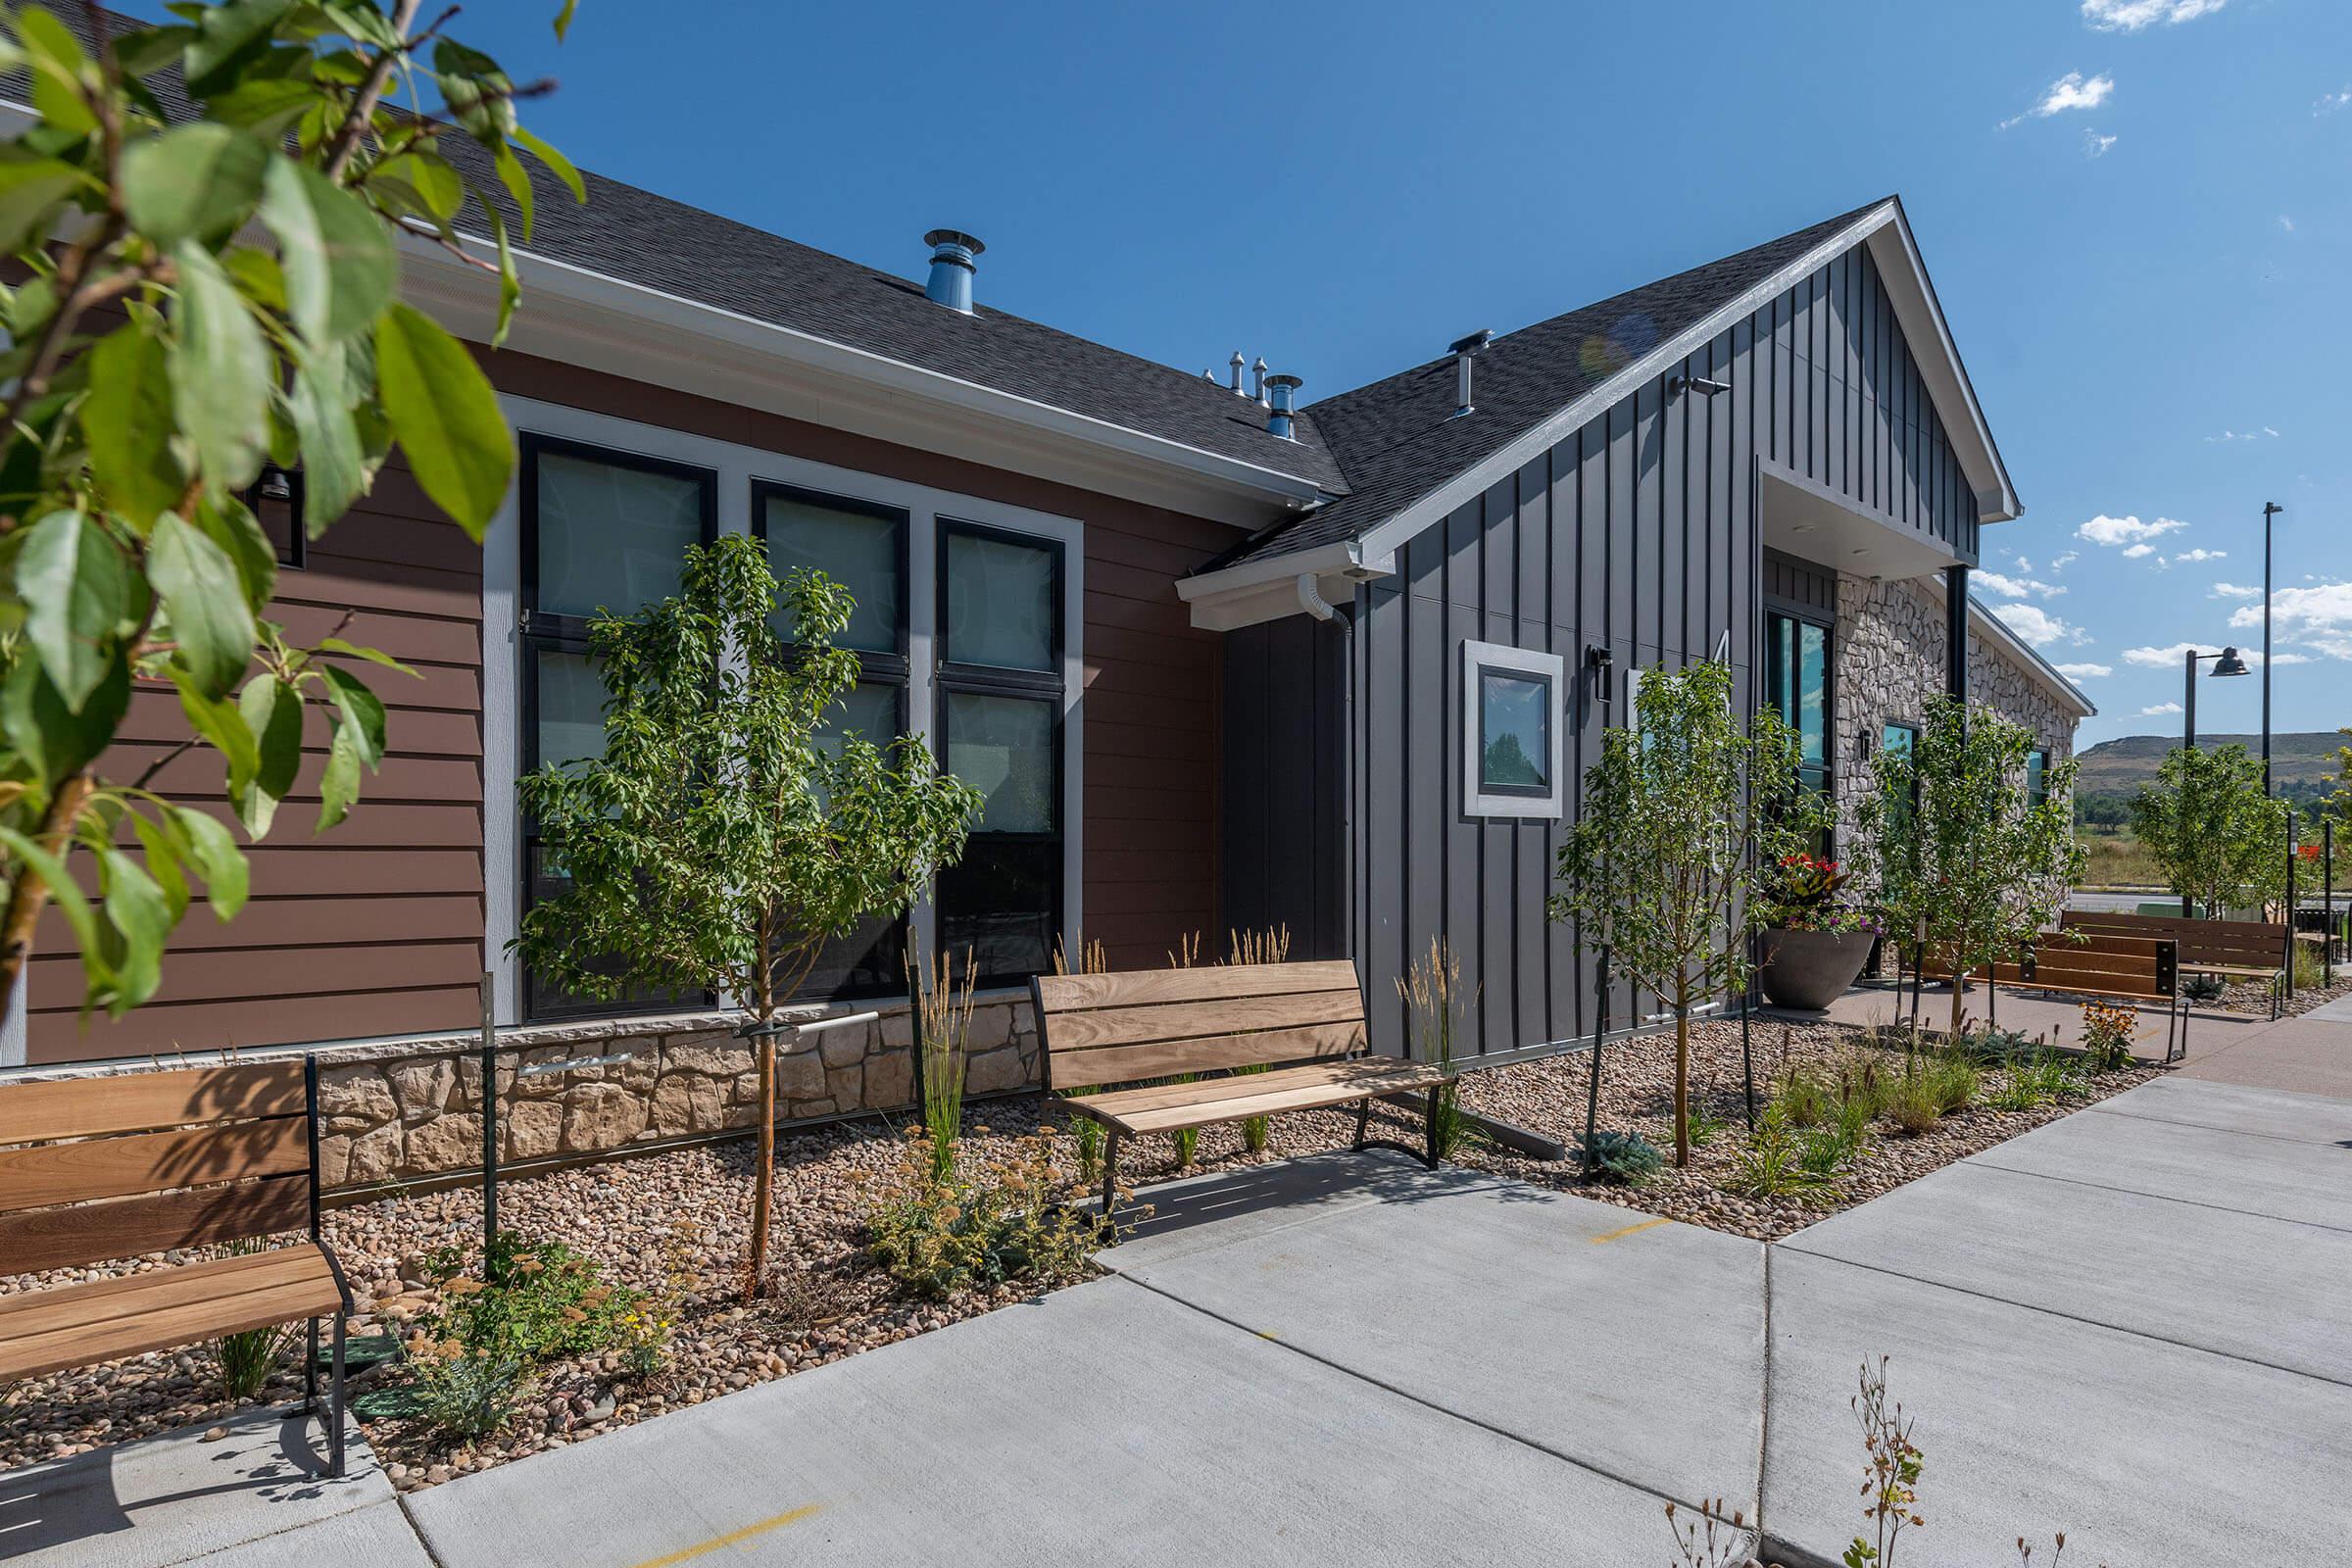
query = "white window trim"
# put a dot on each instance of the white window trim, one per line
(1554, 668)
(736, 467)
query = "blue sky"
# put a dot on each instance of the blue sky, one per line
(2134, 212)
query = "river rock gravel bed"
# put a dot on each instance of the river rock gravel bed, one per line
(674, 1224)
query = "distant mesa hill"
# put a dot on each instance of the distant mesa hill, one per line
(2302, 763)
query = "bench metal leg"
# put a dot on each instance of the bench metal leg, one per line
(1428, 1130)
(1363, 1123)
(334, 1431)
(310, 1372)
(1110, 1173)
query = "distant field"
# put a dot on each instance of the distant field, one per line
(2118, 860)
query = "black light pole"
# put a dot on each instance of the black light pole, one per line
(2226, 664)
(2269, 510)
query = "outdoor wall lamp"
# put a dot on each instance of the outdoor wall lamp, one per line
(1679, 383)
(1597, 659)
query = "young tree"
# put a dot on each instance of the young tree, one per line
(2220, 841)
(1682, 815)
(720, 841)
(1961, 853)
(200, 298)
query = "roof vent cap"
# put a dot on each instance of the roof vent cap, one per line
(954, 258)
(1279, 422)
(1463, 348)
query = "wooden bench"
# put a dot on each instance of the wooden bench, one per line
(2122, 968)
(1302, 1023)
(2234, 949)
(96, 1169)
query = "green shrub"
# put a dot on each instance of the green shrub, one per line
(246, 1359)
(1771, 1163)
(2036, 1077)
(1623, 1160)
(1003, 1220)
(2203, 988)
(1256, 1131)
(1993, 1046)
(1954, 1081)
(470, 1393)
(1185, 1140)
(1913, 1104)
(1803, 1100)
(534, 1301)
(1705, 1125)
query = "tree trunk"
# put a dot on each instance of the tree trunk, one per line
(763, 1171)
(1959, 997)
(1681, 1085)
(25, 900)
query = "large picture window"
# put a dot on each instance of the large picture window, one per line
(997, 690)
(1511, 731)
(2037, 777)
(1796, 681)
(863, 546)
(601, 530)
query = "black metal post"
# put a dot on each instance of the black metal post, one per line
(2290, 891)
(2189, 743)
(1600, 1036)
(2327, 903)
(2269, 510)
(1747, 1054)
(489, 1119)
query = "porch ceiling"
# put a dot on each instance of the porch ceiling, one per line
(1803, 520)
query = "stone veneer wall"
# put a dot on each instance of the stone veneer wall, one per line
(408, 1110)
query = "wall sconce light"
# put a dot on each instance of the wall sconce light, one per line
(1679, 383)
(1597, 659)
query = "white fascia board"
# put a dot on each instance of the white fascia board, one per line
(1913, 297)
(1267, 590)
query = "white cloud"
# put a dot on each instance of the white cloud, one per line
(2170, 656)
(2129, 16)
(2071, 91)
(2065, 560)
(2319, 616)
(2258, 434)
(2234, 589)
(2202, 553)
(2009, 587)
(2106, 530)
(2160, 709)
(2096, 145)
(2085, 671)
(2135, 552)
(2286, 223)
(2330, 102)
(2036, 625)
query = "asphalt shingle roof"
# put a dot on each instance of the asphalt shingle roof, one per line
(1396, 439)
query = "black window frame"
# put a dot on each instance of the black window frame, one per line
(1549, 788)
(2037, 776)
(893, 668)
(951, 676)
(1827, 768)
(555, 632)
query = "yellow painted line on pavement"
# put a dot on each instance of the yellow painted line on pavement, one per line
(1629, 1230)
(733, 1537)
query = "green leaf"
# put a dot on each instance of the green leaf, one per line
(510, 286)
(219, 368)
(210, 620)
(195, 182)
(446, 416)
(373, 656)
(439, 187)
(74, 580)
(230, 524)
(265, 108)
(144, 53)
(339, 264)
(362, 711)
(58, 67)
(216, 858)
(563, 19)
(66, 895)
(271, 711)
(141, 913)
(57, 740)
(557, 165)
(334, 469)
(126, 424)
(518, 182)
(30, 189)
(480, 95)
(229, 37)
(339, 785)
(256, 272)
(160, 842)
(222, 723)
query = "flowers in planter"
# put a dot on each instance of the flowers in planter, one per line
(1802, 892)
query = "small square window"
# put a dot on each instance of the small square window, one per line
(1511, 731)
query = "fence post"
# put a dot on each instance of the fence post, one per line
(489, 1117)
(1600, 1036)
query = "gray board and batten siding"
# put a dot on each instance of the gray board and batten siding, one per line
(1640, 532)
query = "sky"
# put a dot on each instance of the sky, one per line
(2134, 211)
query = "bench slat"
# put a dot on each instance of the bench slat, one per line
(113, 1167)
(165, 1308)
(126, 1227)
(137, 1103)
(1071, 993)
(1197, 1020)
(1125, 1064)
(1224, 1099)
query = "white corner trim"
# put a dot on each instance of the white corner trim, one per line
(737, 466)
(1553, 669)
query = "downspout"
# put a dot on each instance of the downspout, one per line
(1955, 625)
(1311, 600)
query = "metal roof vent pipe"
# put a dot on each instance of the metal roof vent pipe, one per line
(954, 258)
(1462, 349)
(1279, 420)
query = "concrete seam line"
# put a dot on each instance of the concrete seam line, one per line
(1983, 1164)
(2073, 1317)
(2206, 1126)
(414, 1529)
(1764, 1399)
(1504, 1433)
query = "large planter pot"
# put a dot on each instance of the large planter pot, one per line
(1810, 970)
